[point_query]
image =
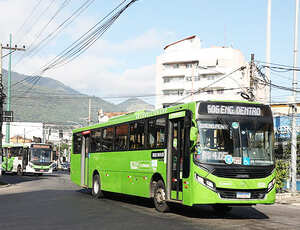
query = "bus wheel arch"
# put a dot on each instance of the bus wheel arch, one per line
(96, 186)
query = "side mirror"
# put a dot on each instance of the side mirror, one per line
(193, 134)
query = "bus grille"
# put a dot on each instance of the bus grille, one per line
(242, 173)
(232, 194)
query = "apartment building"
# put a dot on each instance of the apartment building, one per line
(187, 72)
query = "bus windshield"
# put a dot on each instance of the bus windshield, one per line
(40, 155)
(243, 142)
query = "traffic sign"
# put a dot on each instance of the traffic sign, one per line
(7, 116)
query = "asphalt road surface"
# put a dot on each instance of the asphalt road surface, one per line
(53, 202)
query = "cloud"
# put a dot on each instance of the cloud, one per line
(102, 75)
(112, 67)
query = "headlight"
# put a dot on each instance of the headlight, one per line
(207, 183)
(271, 185)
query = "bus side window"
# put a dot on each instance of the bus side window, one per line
(107, 139)
(77, 137)
(121, 137)
(156, 133)
(137, 135)
(96, 141)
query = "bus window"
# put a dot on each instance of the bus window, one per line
(156, 133)
(77, 143)
(107, 140)
(137, 135)
(96, 141)
(121, 137)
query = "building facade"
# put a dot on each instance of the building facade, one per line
(187, 72)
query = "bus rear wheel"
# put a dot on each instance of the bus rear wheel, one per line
(96, 190)
(160, 202)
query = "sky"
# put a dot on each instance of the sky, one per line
(122, 62)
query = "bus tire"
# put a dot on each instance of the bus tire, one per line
(159, 197)
(19, 171)
(96, 189)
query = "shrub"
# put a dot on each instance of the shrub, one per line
(282, 173)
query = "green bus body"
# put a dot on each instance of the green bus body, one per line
(18, 158)
(189, 181)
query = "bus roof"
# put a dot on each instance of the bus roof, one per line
(145, 114)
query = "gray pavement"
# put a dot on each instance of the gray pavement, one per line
(53, 202)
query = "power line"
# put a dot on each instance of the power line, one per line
(29, 16)
(87, 39)
(60, 28)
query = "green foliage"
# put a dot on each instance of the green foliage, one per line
(283, 152)
(282, 172)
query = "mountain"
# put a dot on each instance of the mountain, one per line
(134, 104)
(42, 99)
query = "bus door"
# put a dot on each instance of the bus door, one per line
(85, 159)
(175, 158)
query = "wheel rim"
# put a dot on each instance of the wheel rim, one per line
(96, 187)
(160, 196)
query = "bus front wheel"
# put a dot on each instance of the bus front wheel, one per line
(19, 171)
(96, 190)
(160, 202)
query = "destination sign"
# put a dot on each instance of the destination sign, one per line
(41, 146)
(234, 110)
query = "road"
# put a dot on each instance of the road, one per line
(53, 202)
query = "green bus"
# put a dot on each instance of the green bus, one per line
(208, 152)
(34, 158)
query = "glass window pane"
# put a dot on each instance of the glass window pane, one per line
(107, 140)
(96, 141)
(121, 137)
(137, 135)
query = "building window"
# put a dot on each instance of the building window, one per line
(166, 80)
(210, 77)
(175, 66)
(220, 91)
(173, 92)
(188, 65)
(210, 92)
(197, 78)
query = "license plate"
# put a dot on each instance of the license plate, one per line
(243, 195)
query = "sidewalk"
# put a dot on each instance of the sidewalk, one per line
(288, 198)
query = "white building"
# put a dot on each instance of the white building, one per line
(186, 72)
(27, 130)
(47, 132)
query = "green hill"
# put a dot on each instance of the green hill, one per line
(42, 99)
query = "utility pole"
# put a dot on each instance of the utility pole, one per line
(90, 108)
(252, 78)
(294, 108)
(11, 49)
(2, 97)
(268, 47)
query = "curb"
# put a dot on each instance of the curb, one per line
(4, 186)
(288, 198)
